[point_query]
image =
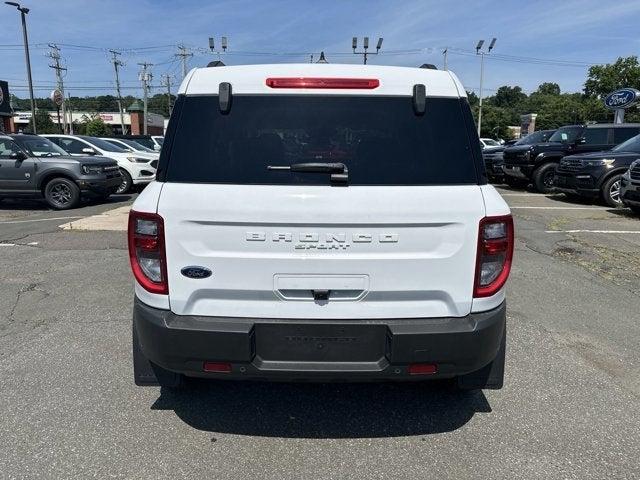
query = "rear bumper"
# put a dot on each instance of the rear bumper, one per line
(313, 350)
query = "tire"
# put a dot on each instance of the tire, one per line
(148, 374)
(543, 178)
(61, 193)
(489, 377)
(515, 182)
(610, 191)
(127, 183)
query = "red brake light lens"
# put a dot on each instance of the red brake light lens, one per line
(146, 251)
(318, 82)
(494, 256)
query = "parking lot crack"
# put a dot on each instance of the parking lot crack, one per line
(31, 287)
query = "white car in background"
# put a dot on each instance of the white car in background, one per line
(489, 142)
(130, 145)
(157, 140)
(137, 168)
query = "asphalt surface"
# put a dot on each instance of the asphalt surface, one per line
(570, 407)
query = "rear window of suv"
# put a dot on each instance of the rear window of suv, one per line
(379, 139)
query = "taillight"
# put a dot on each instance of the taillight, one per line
(320, 82)
(495, 252)
(146, 251)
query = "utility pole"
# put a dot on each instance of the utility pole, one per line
(116, 64)
(70, 116)
(167, 83)
(54, 54)
(365, 44)
(183, 53)
(445, 53)
(23, 12)
(145, 77)
(480, 52)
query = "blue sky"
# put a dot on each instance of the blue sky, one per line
(572, 34)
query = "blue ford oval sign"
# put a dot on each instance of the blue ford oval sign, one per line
(623, 98)
(196, 272)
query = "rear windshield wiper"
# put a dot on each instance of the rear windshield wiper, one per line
(339, 172)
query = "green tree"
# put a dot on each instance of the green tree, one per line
(44, 124)
(97, 128)
(495, 121)
(159, 104)
(604, 79)
(549, 88)
(508, 97)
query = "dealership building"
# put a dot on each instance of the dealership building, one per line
(132, 120)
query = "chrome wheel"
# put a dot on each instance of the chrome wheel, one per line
(125, 186)
(614, 192)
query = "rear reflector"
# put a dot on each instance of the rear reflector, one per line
(422, 369)
(316, 82)
(217, 367)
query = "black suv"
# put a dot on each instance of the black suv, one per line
(630, 187)
(494, 156)
(599, 173)
(34, 167)
(537, 163)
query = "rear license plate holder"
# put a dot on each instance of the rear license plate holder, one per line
(286, 342)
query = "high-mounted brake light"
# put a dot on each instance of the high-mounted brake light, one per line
(494, 256)
(318, 82)
(146, 251)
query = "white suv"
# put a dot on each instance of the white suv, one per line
(137, 168)
(320, 222)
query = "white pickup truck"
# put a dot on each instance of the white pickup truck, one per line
(321, 223)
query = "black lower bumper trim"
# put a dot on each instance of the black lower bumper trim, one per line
(318, 350)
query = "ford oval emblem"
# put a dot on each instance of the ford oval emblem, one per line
(623, 98)
(196, 272)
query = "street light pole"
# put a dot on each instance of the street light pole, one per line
(481, 80)
(480, 52)
(23, 11)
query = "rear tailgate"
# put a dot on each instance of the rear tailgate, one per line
(379, 252)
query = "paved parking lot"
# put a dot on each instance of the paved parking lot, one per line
(570, 407)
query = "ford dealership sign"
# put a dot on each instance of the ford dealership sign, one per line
(623, 98)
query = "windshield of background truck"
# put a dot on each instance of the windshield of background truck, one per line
(631, 145)
(566, 134)
(379, 139)
(145, 142)
(535, 137)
